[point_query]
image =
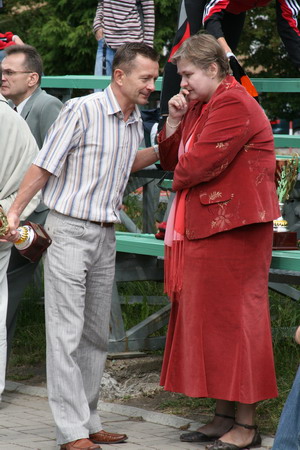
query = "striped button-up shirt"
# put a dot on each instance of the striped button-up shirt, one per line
(89, 151)
(121, 21)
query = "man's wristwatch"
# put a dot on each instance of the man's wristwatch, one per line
(156, 151)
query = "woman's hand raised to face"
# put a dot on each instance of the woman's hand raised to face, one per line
(178, 105)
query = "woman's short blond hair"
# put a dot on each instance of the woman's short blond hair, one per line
(203, 50)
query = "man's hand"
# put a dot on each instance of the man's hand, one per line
(17, 40)
(13, 222)
(99, 34)
(297, 335)
(224, 45)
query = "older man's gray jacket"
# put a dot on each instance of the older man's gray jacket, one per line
(40, 111)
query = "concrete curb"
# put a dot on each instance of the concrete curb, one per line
(12, 386)
(148, 416)
(130, 411)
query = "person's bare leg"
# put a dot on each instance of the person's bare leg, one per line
(238, 435)
(220, 424)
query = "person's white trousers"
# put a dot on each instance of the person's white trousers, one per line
(5, 249)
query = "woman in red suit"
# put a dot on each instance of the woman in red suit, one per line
(219, 143)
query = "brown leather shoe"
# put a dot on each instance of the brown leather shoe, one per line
(80, 444)
(103, 437)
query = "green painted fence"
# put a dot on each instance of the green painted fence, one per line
(262, 85)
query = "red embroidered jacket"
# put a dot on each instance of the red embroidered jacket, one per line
(230, 168)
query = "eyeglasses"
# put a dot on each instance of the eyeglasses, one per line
(10, 73)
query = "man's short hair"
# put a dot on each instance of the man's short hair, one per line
(33, 60)
(126, 54)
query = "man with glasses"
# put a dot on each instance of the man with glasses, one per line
(22, 70)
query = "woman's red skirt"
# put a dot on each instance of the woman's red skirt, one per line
(219, 342)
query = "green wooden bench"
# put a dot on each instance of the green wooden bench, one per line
(141, 244)
(147, 244)
(140, 257)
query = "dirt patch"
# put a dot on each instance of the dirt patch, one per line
(33, 375)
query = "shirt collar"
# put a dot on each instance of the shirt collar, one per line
(21, 105)
(113, 106)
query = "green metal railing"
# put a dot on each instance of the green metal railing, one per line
(76, 82)
(262, 85)
(100, 82)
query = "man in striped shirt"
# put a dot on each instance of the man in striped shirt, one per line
(83, 168)
(117, 23)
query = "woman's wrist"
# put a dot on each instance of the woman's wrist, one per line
(172, 125)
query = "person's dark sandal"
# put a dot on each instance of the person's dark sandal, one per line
(198, 436)
(255, 443)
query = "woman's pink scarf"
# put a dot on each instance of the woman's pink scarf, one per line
(175, 230)
(174, 239)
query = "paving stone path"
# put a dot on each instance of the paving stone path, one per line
(26, 423)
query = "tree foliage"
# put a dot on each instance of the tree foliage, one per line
(166, 17)
(61, 30)
(264, 55)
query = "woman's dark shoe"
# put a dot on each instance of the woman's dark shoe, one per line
(197, 436)
(255, 443)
